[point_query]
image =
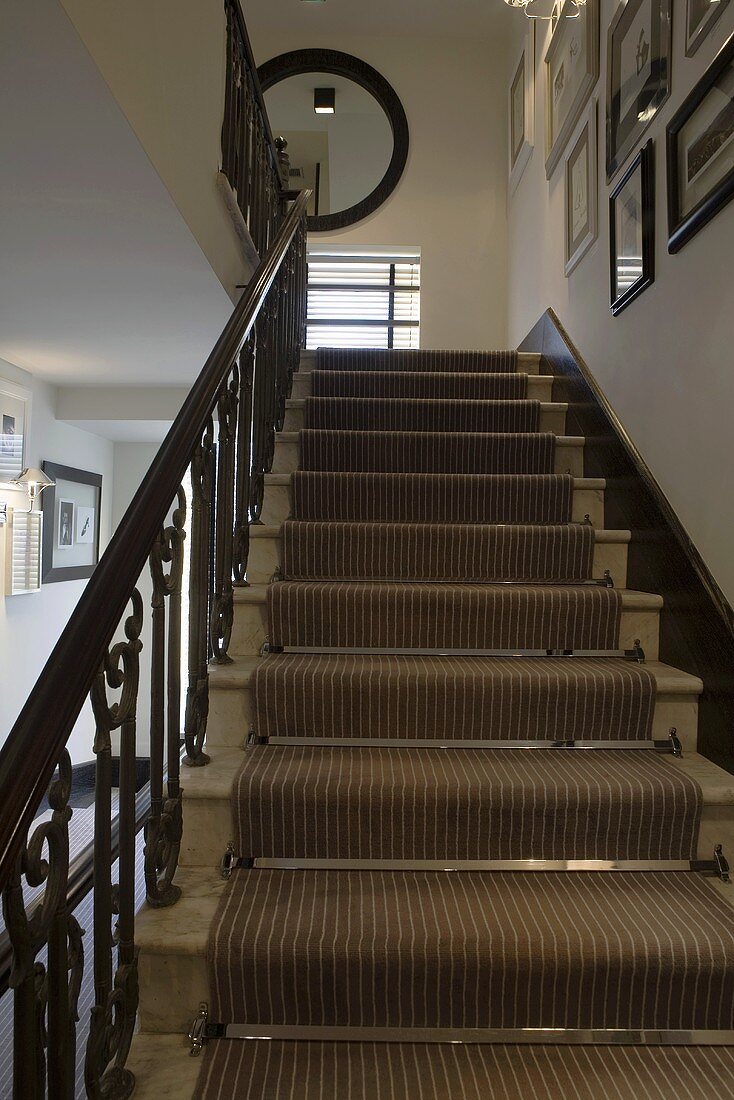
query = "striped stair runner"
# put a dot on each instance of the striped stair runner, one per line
(430, 573)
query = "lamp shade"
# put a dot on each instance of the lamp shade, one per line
(33, 479)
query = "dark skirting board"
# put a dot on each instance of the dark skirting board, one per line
(697, 621)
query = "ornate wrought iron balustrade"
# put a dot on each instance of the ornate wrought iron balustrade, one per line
(225, 436)
(249, 156)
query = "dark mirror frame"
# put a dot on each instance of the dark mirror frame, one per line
(343, 64)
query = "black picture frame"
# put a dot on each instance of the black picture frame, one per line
(644, 164)
(343, 64)
(51, 571)
(625, 128)
(697, 32)
(682, 227)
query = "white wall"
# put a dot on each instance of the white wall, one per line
(665, 362)
(165, 65)
(30, 625)
(451, 201)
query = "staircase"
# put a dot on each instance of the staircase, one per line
(461, 793)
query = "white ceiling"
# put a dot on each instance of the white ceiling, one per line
(100, 278)
(456, 18)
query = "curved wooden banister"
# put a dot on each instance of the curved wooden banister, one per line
(34, 746)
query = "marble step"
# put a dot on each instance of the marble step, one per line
(640, 619)
(540, 386)
(528, 362)
(610, 552)
(552, 416)
(588, 500)
(173, 942)
(230, 703)
(207, 807)
(569, 456)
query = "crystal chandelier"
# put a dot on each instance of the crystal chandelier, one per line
(526, 6)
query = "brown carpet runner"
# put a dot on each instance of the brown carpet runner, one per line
(377, 359)
(419, 616)
(436, 552)
(420, 415)
(469, 949)
(432, 498)
(423, 697)
(363, 383)
(258, 1070)
(398, 803)
(429, 452)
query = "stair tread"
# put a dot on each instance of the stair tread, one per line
(293, 437)
(274, 530)
(311, 1070)
(473, 949)
(578, 482)
(216, 780)
(237, 676)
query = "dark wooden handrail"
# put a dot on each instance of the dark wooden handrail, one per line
(31, 753)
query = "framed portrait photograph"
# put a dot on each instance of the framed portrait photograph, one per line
(701, 15)
(581, 191)
(638, 74)
(71, 514)
(632, 231)
(14, 423)
(571, 71)
(65, 539)
(521, 121)
(700, 152)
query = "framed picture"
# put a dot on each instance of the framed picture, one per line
(700, 18)
(15, 403)
(65, 539)
(521, 122)
(71, 512)
(522, 110)
(638, 74)
(632, 231)
(571, 71)
(700, 152)
(581, 191)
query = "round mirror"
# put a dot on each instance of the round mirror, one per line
(345, 128)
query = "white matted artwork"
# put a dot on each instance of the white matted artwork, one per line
(571, 71)
(521, 122)
(85, 526)
(581, 191)
(15, 407)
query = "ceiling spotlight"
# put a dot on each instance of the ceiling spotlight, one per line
(324, 101)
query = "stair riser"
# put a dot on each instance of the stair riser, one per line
(249, 632)
(206, 821)
(586, 502)
(230, 717)
(527, 362)
(265, 559)
(569, 459)
(551, 420)
(539, 387)
(171, 989)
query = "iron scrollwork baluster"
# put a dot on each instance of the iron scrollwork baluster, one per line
(164, 827)
(45, 997)
(222, 611)
(197, 695)
(116, 995)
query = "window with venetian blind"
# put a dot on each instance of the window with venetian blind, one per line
(363, 300)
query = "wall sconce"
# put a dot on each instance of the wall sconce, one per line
(34, 481)
(324, 101)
